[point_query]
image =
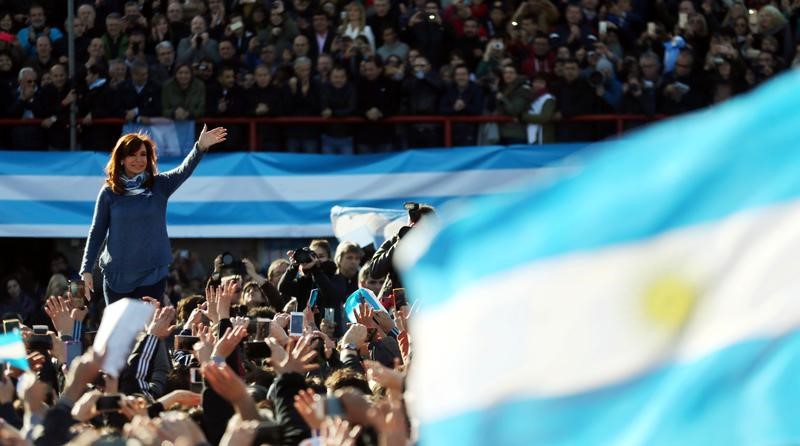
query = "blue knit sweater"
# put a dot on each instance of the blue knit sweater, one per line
(135, 226)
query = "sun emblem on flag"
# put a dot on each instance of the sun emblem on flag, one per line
(669, 301)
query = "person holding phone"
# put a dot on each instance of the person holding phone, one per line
(130, 215)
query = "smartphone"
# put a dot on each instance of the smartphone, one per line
(108, 403)
(195, 380)
(9, 325)
(312, 300)
(651, 28)
(236, 26)
(329, 315)
(683, 19)
(603, 27)
(40, 329)
(185, 343)
(296, 324)
(329, 406)
(400, 299)
(77, 288)
(73, 350)
(258, 328)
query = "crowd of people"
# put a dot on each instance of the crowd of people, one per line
(233, 355)
(540, 62)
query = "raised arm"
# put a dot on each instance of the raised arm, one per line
(172, 179)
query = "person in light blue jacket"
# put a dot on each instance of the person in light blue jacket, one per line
(131, 217)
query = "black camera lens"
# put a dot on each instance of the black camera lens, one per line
(227, 259)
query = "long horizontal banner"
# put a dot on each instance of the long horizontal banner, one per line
(243, 195)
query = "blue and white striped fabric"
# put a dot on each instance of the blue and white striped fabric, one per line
(359, 295)
(651, 299)
(48, 194)
(12, 350)
(173, 138)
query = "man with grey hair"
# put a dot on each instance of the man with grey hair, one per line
(26, 105)
(88, 15)
(163, 70)
(198, 45)
(302, 99)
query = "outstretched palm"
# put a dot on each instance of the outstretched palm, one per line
(210, 137)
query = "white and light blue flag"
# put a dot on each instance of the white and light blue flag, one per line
(12, 350)
(651, 299)
(241, 195)
(172, 138)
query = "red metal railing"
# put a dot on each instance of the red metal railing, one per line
(446, 122)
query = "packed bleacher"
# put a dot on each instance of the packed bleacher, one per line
(541, 63)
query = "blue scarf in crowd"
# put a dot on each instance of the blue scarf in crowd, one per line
(133, 186)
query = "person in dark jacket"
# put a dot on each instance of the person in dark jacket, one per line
(141, 97)
(302, 99)
(513, 100)
(575, 97)
(683, 90)
(27, 104)
(338, 99)
(462, 98)
(377, 98)
(225, 98)
(426, 32)
(381, 264)
(57, 97)
(98, 101)
(422, 93)
(265, 99)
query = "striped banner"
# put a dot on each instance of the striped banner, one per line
(240, 195)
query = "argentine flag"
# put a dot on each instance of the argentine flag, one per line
(653, 298)
(12, 350)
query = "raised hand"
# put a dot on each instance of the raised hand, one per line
(339, 432)
(230, 386)
(295, 359)
(212, 299)
(174, 426)
(306, 402)
(57, 309)
(386, 377)
(211, 137)
(161, 325)
(182, 397)
(228, 341)
(205, 346)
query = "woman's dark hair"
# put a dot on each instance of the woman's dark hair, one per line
(127, 145)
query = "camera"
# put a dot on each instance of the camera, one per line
(185, 343)
(596, 79)
(498, 46)
(303, 255)
(108, 403)
(40, 341)
(232, 266)
(634, 88)
(431, 17)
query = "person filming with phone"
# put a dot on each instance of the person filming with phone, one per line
(130, 216)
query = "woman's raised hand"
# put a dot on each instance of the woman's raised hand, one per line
(210, 137)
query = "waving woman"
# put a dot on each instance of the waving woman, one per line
(131, 216)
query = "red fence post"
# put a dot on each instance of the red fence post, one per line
(448, 132)
(620, 126)
(253, 136)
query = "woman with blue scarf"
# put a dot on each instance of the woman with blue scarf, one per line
(131, 217)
